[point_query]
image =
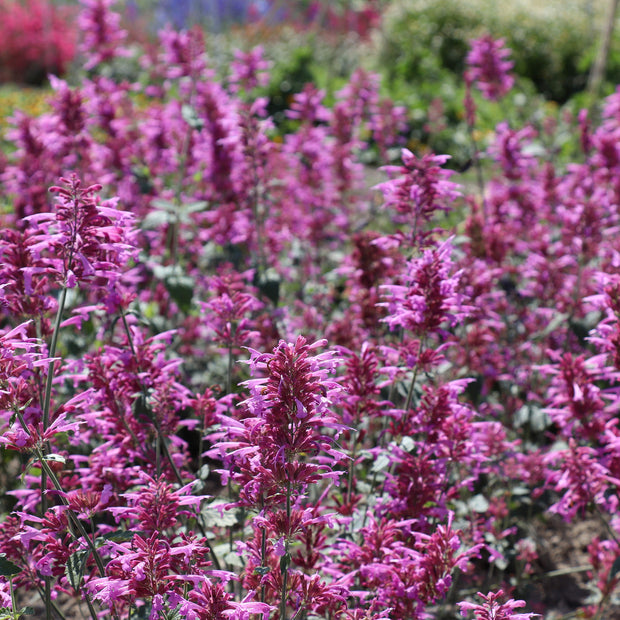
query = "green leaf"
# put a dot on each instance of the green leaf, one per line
(116, 536)
(26, 611)
(7, 568)
(30, 469)
(194, 207)
(557, 322)
(76, 564)
(479, 503)
(614, 570)
(173, 614)
(407, 444)
(215, 515)
(285, 562)
(234, 559)
(55, 458)
(164, 205)
(181, 289)
(121, 535)
(380, 463)
(168, 212)
(155, 219)
(190, 116)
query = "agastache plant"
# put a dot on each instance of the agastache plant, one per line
(281, 445)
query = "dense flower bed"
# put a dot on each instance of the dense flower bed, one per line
(236, 382)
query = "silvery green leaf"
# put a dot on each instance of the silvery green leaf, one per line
(190, 116)
(164, 205)
(215, 515)
(55, 458)
(479, 503)
(381, 462)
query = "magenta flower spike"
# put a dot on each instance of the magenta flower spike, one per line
(102, 34)
(429, 295)
(488, 67)
(84, 241)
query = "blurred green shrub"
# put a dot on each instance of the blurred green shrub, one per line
(553, 42)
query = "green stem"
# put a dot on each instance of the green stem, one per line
(230, 365)
(605, 522)
(285, 559)
(52, 352)
(263, 560)
(13, 601)
(411, 388)
(351, 466)
(48, 598)
(55, 607)
(47, 400)
(416, 369)
(39, 453)
(478, 168)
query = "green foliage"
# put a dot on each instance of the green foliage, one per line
(76, 565)
(8, 614)
(7, 568)
(553, 43)
(287, 78)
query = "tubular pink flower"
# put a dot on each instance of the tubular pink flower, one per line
(581, 479)
(287, 414)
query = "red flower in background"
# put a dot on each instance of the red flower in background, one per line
(38, 39)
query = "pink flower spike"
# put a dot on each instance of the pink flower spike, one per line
(488, 68)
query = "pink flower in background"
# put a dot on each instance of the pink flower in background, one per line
(249, 70)
(581, 481)
(488, 67)
(420, 191)
(102, 34)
